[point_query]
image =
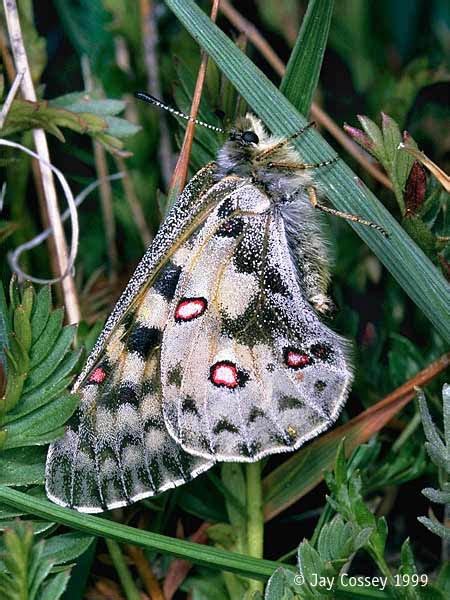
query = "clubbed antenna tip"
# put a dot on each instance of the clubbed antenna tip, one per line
(152, 100)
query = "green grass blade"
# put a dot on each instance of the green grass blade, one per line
(197, 553)
(303, 69)
(411, 268)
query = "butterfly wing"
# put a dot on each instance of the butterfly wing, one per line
(247, 368)
(116, 448)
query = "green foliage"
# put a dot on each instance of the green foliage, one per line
(439, 452)
(353, 529)
(382, 69)
(37, 570)
(39, 364)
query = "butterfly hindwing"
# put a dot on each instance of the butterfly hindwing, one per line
(247, 368)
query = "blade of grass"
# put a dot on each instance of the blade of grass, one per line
(304, 470)
(303, 69)
(197, 553)
(411, 268)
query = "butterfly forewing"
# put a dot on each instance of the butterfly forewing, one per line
(116, 448)
(247, 368)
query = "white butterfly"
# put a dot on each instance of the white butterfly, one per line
(215, 351)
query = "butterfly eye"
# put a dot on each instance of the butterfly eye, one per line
(250, 137)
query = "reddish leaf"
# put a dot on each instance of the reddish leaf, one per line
(415, 189)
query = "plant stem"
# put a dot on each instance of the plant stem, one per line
(128, 585)
(255, 518)
(64, 261)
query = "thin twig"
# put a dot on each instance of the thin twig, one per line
(150, 39)
(179, 568)
(10, 98)
(145, 571)
(134, 204)
(317, 113)
(181, 170)
(6, 57)
(125, 577)
(40, 141)
(105, 191)
(72, 209)
(14, 257)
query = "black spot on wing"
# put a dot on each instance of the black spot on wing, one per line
(188, 405)
(167, 280)
(255, 413)
(273, 281)
(287, 402)
(143, 339)
(226, 209)
(321, 351)
(224, 425)
(249, 450)
(231, 228)
(127, 395)
(320, 385)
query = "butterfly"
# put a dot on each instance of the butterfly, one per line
(215, 351)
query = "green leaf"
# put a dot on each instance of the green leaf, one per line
(41, 311)
(22, 466)
(81, 102)
(121, 128)
(281, 586)
(303, 69)
(197, 553)
(46, 338)
(67, 547)
(45, 368)
(413, 270)
(55, 587)
(35, 427)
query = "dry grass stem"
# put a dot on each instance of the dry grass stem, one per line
(21, 60)
(150, 39)
(134, 204)
(179, 177)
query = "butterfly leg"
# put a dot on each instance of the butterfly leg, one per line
(298, 166)
(312, 195)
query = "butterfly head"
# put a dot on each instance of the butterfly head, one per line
(251, 151)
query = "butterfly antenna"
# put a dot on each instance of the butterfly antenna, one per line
(152, 100)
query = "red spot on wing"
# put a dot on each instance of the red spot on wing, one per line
(190, 308)
(98, 375)
(224, 374)
(296, 359)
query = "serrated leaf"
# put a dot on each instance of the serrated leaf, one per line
(45, 368)
(281, 586)
(22, 328)
(37, 398)
(47, 337)
(438, 496)
(55, 587)
(435, 527)
(41, 312)
(35, 427)
(22, 466)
